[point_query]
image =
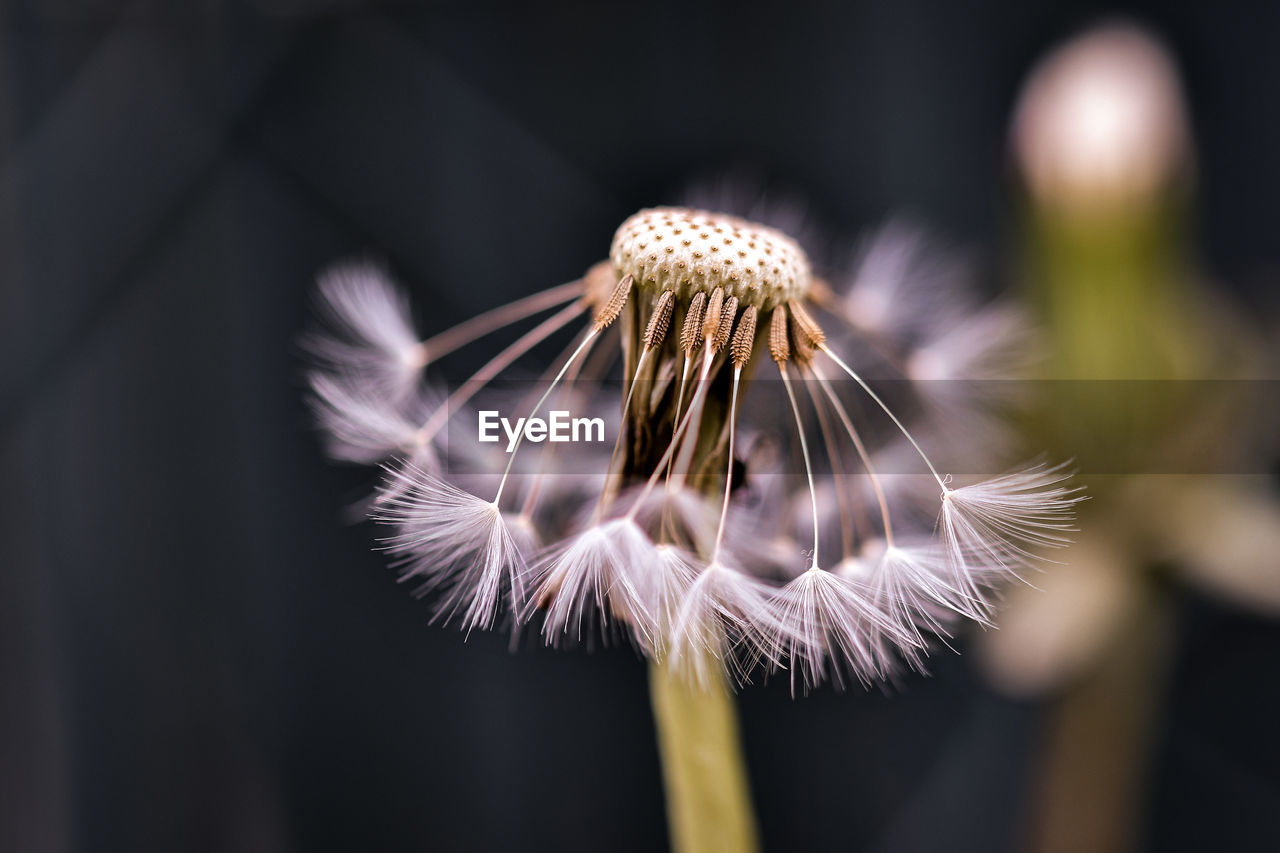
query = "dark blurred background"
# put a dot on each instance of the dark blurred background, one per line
(197, 652)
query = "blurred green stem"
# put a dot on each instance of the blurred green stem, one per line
(708, 799)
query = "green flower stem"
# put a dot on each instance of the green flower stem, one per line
(705, 776)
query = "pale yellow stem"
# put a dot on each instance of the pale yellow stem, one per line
(704, 774)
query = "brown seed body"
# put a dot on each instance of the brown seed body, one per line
(727, 314)
(690, 335)
(656, 331)
(779, 346)
(614, 306)
(744, 338)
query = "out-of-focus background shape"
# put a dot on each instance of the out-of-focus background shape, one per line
(196, 653)
(1149, 372)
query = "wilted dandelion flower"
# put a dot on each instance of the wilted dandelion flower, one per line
(662, 541)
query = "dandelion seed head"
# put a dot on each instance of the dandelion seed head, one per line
(689, 540)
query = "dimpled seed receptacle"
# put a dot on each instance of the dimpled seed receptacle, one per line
(691, 251)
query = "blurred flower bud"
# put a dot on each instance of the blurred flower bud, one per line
(1101, 121)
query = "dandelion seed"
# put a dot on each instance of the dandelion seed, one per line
(603, 566)
(996, 528)
(904, 288)
(962, 373)
(362, 427)
(370, 335)
(830, 622)
(449, 540)
(664, 589)
(726, 622)
(909, 585)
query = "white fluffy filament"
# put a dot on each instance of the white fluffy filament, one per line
(455, 542)
(993, 529)
(726, 622)
(361, 426)
(605, 565)
(375, 341)
(825, 615)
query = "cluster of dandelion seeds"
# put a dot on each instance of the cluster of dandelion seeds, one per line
(662, 542)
